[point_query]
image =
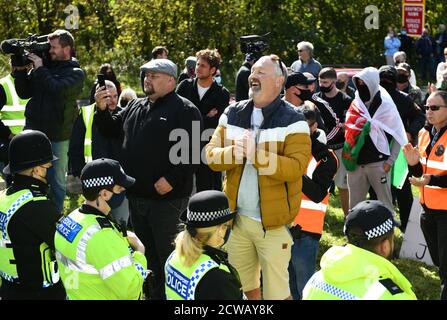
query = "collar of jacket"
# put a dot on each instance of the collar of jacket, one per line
(214, 84)
(246, 111)
(216, 254)
(162, 100)
(20, 182)
(88, 209)
(73, 62)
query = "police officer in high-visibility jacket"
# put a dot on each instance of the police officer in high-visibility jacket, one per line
(12, 111)
(308, 224)
(27, 222)
(429, 163)
(361, 270)
(97, 258)
(198, 269)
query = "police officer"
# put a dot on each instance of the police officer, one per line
(361, 270)
(198, 269)
(28, 222)
(97, 258)
(12, 111)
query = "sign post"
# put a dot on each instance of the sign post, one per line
(413, 16)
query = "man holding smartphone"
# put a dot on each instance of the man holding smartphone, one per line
(52, 109)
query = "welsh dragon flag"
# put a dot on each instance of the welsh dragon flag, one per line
(359, 124)
(357, 128)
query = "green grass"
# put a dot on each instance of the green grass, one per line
(425, 279)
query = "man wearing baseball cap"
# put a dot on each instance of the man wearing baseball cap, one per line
(159, 151)
(361, 270)
(99, 260)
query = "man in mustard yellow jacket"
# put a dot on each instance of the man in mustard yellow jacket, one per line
(263, 145)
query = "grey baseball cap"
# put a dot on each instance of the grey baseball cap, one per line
(160, 65)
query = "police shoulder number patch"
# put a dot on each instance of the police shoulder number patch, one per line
(391, 286)
(104, 222)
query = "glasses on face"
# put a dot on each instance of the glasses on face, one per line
(434, 108)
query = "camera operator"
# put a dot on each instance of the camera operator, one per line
(52, 109)
(242, 76)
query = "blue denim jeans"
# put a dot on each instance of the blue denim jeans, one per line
(56, 174)
(302, 264)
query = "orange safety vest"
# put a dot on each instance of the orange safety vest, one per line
(434, 163)
(311, 214)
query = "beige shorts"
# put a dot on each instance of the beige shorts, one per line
(250, 251)
(341, 177)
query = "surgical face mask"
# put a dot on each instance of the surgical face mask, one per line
(402, 78)
(340, 85)
(218, 79)
(304, 95)
(116, 200)
(388, 85)
(403, 32)
(326, 89)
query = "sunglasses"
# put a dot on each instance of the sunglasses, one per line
(433, 108)
(278, 59)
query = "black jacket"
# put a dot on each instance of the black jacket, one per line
(316, 188)
(242, 81)
(412, 117)
(218, 284)
(369, 153)
(146, 146)
(102, 146)
(217, 96)
(32, 224)
(53, 91)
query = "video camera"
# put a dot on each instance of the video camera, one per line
(21, 48)
(254, 45)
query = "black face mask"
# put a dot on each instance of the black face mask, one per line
(388, 85)
(340, 85)
(401, 78)
(326, 89)
(364, 94)
(304, 95)
(116, 200)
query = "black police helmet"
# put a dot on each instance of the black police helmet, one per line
(28, 149)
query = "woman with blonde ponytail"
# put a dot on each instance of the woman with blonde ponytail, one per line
(198, 269)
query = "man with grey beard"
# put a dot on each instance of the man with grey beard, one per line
(263, 145)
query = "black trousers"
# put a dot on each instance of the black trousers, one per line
(11, 291)
(404, 199)
(207, 179)
(434, 227)
(156, 224)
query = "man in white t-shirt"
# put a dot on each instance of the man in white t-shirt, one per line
(211, 98)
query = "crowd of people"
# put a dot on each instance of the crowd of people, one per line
(249, 181)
